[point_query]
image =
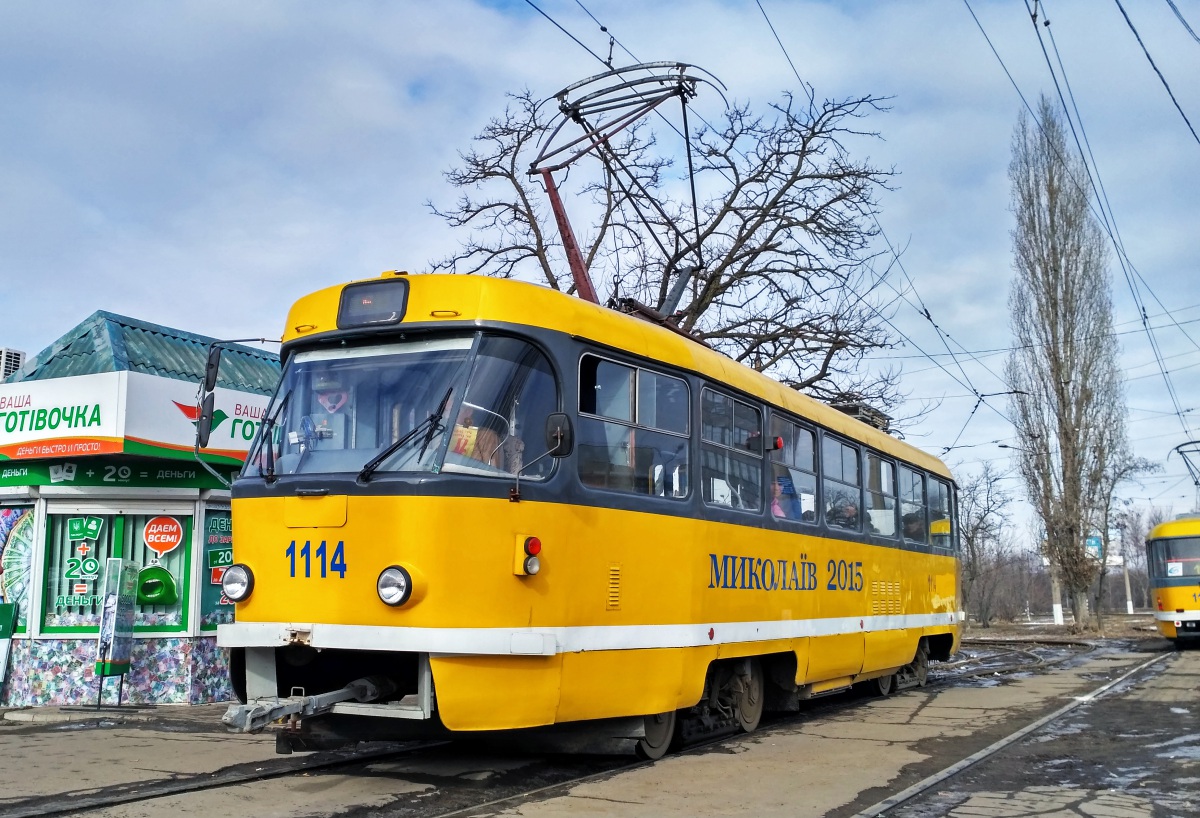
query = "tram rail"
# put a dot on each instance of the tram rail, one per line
(998, 658)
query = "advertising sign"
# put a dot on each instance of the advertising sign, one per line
(161, 414)
(84, 528)
(120, 413)
(116, 617)
(215, 607)
(61, 417)
(162, 535)
(107, 470)
(8, 624)
(16, 557)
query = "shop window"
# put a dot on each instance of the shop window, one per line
(78, 547)
(159, 544)
(16, 559)
(215, 608)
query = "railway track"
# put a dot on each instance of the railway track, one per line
(553, 774)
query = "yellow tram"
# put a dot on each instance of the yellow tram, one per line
(1174, 566)
(477, 504)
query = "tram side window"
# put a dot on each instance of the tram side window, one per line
(940, 518)
(913, 514)
(1178, 557)
(839, 467)
(793, 472)
(731, 452)
(633, 429)
(881, 496)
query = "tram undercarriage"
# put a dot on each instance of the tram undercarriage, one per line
(321, 700)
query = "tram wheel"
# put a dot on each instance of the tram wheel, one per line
(748, 698)
(884, 685)
(660, 733)
(920, 664)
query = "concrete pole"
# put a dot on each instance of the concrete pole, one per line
(1125, 571)
(1056, 595)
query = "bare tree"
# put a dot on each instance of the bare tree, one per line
(982, 513)
(512, 234)
(781, 270)
(1135, 524)
(1122, 465)
(1067, 402)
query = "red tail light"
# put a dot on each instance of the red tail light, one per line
(533, 546)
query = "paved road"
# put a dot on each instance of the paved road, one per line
(1134, 752)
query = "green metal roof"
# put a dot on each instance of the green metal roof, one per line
(107, 342)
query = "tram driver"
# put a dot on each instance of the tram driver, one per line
(332, 408)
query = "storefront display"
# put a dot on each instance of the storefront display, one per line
(97, 470)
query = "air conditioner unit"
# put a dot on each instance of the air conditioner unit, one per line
(10, 361)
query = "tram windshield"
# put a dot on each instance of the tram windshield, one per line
(1175, 558)
(456, 403)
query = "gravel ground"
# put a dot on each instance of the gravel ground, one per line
(1139, 626)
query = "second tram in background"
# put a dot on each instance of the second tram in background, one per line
(477, 504)
(1174, 567)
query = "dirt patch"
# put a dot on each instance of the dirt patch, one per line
(1115, 626)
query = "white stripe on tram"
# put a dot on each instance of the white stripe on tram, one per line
(551, 641)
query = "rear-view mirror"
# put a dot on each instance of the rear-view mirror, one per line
(560, 438)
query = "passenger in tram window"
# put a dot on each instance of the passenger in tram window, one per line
(844, 514)
(784, 501)
(914, 527)
(776, 493)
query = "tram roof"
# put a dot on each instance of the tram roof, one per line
(1185, 525)
(471, 299)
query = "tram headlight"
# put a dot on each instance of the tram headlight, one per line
(394, 585)
(237, 582)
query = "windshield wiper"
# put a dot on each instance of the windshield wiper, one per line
(268, 439)
(430, 426)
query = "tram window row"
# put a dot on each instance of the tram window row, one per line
(634, 436)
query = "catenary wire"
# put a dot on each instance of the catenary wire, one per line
(1106, 212)
(1175, 9)
(1103, 219)
(1161, 78)
(884, 318)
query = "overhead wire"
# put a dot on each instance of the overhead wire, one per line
(904, 336)
(1103, 217)
(920, 306)
(1092, 169)
(1179, 15)
(1161, 78)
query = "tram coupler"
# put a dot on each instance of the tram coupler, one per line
(252, 717)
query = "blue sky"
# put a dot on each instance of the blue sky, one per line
(203, 164)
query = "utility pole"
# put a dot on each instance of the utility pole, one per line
(1056, 595)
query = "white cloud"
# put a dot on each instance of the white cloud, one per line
(202, 164)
